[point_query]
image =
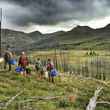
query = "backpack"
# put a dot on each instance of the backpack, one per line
(12, 61)
(53, 73)
(38, 66)
(19, 69)
(50, 66)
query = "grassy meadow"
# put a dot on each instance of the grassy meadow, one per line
(80, 88)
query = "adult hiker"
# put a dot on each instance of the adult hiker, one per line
(7, 58)
(39, 68)
(49, 67)
(23, 62)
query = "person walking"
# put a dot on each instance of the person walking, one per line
(7, 58)
(24, 62)
(39, 68)
(49, 67)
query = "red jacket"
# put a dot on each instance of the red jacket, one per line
(23, 61)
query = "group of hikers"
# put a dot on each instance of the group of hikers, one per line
(23, 67)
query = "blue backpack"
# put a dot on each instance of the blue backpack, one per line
(19, 69)
(53, 73)
(12, 62)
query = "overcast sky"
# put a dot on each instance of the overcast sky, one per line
(49, 16)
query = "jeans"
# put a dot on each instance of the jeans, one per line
(5, 65)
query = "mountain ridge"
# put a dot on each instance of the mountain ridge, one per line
(75, 28)
(77, 38)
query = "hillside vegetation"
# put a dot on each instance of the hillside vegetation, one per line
(81, 37)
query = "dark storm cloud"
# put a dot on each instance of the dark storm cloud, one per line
(49, 12)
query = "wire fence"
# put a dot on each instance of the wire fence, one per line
(95, 66)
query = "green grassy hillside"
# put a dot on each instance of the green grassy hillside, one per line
(82, 89)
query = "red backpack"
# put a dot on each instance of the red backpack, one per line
(50, 66)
